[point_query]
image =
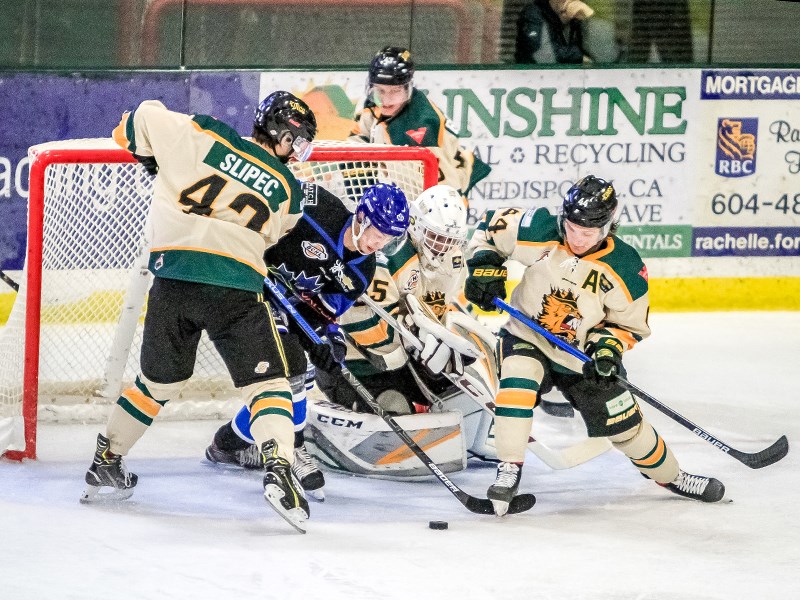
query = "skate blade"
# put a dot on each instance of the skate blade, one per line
(95, 495)
(296, 517)
(318, 495)
(500, 507)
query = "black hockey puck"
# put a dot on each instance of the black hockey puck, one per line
(437, 524)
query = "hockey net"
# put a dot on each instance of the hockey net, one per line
(71, 343)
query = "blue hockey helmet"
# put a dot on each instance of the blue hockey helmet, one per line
(384, 206)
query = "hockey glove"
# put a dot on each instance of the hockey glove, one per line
(149, 163)
(605, 364)
(329, 355)
(486, 280)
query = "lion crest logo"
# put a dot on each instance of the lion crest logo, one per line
(560, 314)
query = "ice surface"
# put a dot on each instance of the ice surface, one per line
(600, 531)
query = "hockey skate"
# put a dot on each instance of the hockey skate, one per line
(308, 473)
(249, 458)
(282, 490)
(107, 479)
(504, 488)
(696, 487)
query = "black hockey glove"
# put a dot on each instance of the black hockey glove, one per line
(486, 280)
(329, 355)
(605, 364)
(149, 163)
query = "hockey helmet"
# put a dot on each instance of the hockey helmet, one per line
(391, 66)
(438, 222)
(591, 202)
(383, 206)
(283, 113)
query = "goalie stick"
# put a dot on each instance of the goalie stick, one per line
(483, 506)
(754, 460)
(566, 458)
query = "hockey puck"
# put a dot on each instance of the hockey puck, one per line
(437, 524)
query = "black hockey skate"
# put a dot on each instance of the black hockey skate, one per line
(505, 487)
(696, 487)
(306, 470)
(107, 479)
(282, 490)
(249, 457)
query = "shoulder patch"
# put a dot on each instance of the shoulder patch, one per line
(417, 134)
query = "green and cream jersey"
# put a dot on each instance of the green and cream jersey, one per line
(219, 201)
(395, 276)
(600, 298)
(421, 123)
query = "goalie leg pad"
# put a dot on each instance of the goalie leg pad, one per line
(648, 452)
(363, 444)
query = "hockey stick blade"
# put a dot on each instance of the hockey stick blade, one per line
(764, 458)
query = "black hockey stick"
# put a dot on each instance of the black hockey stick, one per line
(11, 283)
(481, 506)
(754, 460)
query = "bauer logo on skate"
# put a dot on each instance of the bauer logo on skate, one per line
(736, 147)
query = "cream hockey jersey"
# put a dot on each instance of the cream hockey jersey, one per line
(599, 298)
(219, 201)
(396, 275)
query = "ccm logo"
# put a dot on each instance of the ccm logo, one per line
(339, 422)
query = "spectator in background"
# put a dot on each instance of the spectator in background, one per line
(564, 32)
(397, 113)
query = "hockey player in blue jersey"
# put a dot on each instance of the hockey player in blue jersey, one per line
(328, 261)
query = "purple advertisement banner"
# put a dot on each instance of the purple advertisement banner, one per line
(746, 241)
(44, 107)
(749, 84)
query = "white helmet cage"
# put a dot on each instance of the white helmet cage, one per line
(438, 222)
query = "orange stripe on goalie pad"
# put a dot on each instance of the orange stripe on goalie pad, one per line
(148, 406)
(404, 452)
(271, 402)
(515, 399)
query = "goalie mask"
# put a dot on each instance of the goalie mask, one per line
(389, 83)
(383, 207)
(282, 114)
(438, 223)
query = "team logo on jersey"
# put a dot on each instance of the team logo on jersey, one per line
(643, 273)
(302, 282)
(560, 314)
(413, 280)
(417, 134)
(458, 262)
(314, 250)
(435, 302)
(344, 280)
(736, 147)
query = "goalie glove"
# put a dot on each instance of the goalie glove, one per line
(439, 350)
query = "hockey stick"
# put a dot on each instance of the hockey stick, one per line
(11, 283)
(566, 458)
(754, 460)
(482, 506)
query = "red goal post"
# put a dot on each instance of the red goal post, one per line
(71, 340)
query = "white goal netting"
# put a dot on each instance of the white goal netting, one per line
(93, 204)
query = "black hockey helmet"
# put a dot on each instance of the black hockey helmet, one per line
(590, 202)
(391, 66)
(283, 112)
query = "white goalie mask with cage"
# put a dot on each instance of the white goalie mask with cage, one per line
(438, 224)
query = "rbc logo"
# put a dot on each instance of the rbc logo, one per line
(736, 147)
